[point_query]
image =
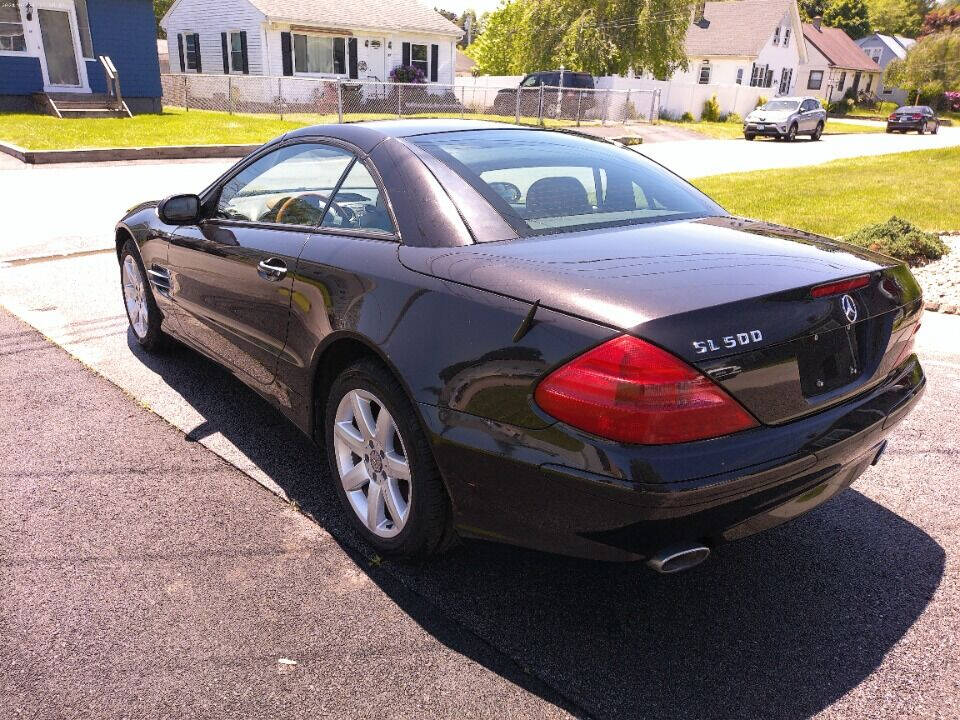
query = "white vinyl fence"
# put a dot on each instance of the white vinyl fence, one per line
(321, 100)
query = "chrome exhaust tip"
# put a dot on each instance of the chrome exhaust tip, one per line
(677, 558)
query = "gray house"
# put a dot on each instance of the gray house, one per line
(882, 49)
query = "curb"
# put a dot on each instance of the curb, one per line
(161, 152)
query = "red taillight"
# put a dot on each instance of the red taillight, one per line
(892, 117)
(841, 286)
(634, 392)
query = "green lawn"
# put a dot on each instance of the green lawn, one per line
(839, 197)
(730, 131)
(174, 126)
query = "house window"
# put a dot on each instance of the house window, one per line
(815, 81)
(739, 76)
(236, 52)
(11, 27)
(776, 35)
(761, 76)
(704, 73)
(83, 28)
(418, 58)
(843, 79)
(786, 37)
(786, 76)
(319, 54)
(191, 46)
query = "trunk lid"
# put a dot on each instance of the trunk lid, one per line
(728, 295)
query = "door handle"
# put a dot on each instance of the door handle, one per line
(272, 269)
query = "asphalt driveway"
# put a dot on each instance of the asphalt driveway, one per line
(137, 568)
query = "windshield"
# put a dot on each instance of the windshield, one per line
(779, 105)
(547, 182)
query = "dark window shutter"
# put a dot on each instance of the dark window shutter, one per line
(406, 54)
(339, 56)
(434, 61)
(243, 51)
(226, 53)
(196, 44)
(286, 49)
(352, 43)
(183, 64)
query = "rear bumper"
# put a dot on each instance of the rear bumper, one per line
(904, 125)
(560, 491)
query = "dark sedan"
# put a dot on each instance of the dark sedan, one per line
(531, 337)
(913, 117)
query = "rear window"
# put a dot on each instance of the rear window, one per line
(910, 109)
(577, 80)
(548, 182)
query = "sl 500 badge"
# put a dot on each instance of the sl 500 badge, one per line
(727, 342)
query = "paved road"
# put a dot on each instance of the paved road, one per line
(172, 583)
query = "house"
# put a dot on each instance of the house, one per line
(837, 64)
(355, 40)
(50, 50)
(748, 42)
(883, 49)
(464, 64)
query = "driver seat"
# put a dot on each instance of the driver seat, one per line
(557, 196)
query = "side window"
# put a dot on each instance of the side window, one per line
(289, 186)
(359, 204)
(529, 81)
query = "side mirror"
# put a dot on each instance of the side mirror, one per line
(179, 210)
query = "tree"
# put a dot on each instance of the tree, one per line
(160, 8)
(898, 17)
(942, 19)
(461, 22)
(931, 67)
(851, 16)
(602, 37)
(809, 9)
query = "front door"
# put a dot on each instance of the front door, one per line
(231, 275)
(62, 63)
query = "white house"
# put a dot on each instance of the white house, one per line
(758, 43)
(883, 49)
(349, 39)
(837, 64)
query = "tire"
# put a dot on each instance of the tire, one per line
(817, 132)
(412, 520)
(935, 129)
(791, 134)
(748, 136)
(890, 131)
(142, 312)
(921, 129)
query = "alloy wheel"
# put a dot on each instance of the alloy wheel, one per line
(372, 463)
(134, 296)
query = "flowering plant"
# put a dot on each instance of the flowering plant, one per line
(407, 74)
(953, 100)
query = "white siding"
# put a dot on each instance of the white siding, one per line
(209, 18)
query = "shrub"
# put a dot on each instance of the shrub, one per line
(734, 118)
(761, 100)
(407, 74)
(686, 117)
(711, 110)
(899, 239)
(953, 101)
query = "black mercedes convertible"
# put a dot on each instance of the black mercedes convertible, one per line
(531, 336)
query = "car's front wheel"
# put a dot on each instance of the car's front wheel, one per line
(142, 310)
(791, 134)
(382, 465)
(818, 132)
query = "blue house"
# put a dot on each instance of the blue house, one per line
(50, 54)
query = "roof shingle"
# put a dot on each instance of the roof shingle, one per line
(388, 15)
(739, 28)
(838, 48)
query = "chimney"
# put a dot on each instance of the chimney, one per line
(698, 11)
(816, 22)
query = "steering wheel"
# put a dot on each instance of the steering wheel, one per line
(290, 202)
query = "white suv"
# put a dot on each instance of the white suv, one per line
(785, 118)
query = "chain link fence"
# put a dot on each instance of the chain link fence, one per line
(314, 100)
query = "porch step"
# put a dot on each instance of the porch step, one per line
(85, 105)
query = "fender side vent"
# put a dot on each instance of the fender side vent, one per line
(160, 279)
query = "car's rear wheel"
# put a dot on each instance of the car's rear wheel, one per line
(142, 311)
(748, 136)
(382, 465)
(921, 129)
(817, 132)
(935, 128)
(791, 133)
